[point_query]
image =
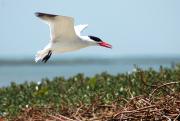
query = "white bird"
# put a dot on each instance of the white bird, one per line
(65, 37)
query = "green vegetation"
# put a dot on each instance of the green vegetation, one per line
(72, 92)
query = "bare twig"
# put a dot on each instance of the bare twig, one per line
(61, 118)
(170, 83)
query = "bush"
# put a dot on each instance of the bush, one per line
(77, 90)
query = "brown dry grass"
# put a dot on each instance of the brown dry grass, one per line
(149, 108)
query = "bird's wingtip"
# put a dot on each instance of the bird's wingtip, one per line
(39, 14)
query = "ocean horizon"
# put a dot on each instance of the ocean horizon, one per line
(21, 70)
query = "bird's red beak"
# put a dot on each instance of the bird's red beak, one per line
(105, 44)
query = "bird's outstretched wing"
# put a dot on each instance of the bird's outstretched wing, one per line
(80, 28)
(59, 25)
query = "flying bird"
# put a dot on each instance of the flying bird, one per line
(65, 37)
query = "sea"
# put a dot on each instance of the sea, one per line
(21, 70)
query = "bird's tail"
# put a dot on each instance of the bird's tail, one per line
(43, 55)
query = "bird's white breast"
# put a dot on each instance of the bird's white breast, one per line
(64, 45)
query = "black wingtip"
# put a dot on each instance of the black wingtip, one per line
(39, 14)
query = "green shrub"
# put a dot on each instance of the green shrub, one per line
(80, 89)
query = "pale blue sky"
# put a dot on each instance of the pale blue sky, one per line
(133, 27)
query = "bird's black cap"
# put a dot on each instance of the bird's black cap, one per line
(95, 38)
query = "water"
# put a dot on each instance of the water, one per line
(34, 72)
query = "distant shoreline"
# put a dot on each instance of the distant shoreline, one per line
(76, 61)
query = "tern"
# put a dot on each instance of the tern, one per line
(65, 37)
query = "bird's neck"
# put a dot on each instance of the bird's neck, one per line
(86, 40)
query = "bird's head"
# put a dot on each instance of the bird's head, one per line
(99, 42)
